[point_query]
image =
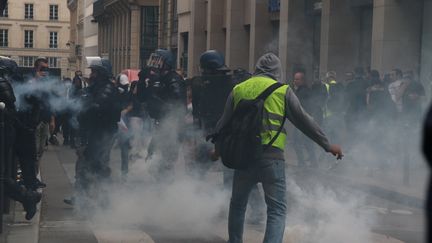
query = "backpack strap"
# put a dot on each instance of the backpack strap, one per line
(279, 130)
(269, 91)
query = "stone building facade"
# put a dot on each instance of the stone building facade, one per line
(30, 29)
(83, 34)
(315, 35)
(128, 31)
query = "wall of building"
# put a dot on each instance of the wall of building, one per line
(120, 31)
(41, 26)
(397, 32)
(426, 49)
(318, 36)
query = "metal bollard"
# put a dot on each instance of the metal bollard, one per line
(2, 161)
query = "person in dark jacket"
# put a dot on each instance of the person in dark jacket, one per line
(209, 92)
(302, 143)
(355, 97)
(34, 113)
(124, 135)
(26, 196)
(98, 125)
(165, 96)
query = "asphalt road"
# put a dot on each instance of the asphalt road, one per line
(61, 223)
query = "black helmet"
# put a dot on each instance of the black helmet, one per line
(101, 64)
(8, 65)
(161, 59)
(212, 60)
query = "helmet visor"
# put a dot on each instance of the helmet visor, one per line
(93, 62)
(155, 61)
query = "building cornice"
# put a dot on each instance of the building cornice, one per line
(35, 50)
(32, 21)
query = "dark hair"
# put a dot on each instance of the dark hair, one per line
(398, 72)
(374, 74)
(300, 70)
(39, 61)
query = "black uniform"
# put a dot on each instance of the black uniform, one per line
(29, 116)
(209, 94)
(98, 125)
(165, 98)
(28, 198)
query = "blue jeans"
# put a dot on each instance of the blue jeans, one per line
(272, 177)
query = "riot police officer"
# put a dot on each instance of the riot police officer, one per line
(28, 197)
(165, 95)
(98, 125)
(209, 93)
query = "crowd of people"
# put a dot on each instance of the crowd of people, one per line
(364, 108)
(99, 109)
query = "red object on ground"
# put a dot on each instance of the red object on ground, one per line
(132, 74)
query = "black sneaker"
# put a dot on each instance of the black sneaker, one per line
(30, 202)
(53, 140)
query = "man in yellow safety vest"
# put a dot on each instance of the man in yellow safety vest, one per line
(270, 169)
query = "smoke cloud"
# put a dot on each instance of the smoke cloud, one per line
(51, 92)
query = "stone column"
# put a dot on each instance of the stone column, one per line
(426, 51)
(295, 38)
(215, 20)
(135, 30)
(261, 35)
(237, 35)
(197, 38)
(339, 49)
(396, 35)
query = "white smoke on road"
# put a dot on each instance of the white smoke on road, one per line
(181, 199)
(322, 215)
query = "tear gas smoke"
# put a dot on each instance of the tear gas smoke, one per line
(52, 92)
(180, 201)
(322, 215)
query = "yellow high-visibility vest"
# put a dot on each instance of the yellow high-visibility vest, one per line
(274, 107)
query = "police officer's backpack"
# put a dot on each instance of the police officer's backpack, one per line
(239, 141)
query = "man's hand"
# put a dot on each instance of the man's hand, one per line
(336, 150)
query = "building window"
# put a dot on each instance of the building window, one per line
(28, 11)
(4, 36)
(53, 62)
(28, 39)
(53, 12)
(149, 31)
(174, 17)
(274, 6)
(53, 40)
(26, 61)
(5, 12)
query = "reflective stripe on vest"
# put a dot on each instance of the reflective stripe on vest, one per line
(274, 107)
(328, 112)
